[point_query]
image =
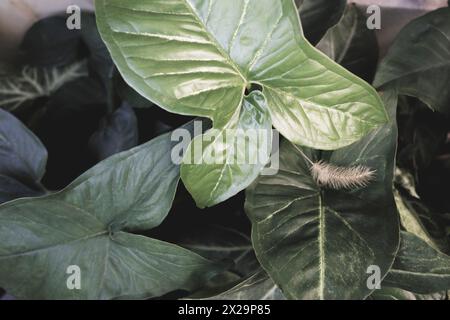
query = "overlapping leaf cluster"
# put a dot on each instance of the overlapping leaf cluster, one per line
(297, 239)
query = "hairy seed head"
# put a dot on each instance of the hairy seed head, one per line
(334, 177)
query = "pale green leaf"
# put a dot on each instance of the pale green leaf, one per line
(197, 57)
(223, 162)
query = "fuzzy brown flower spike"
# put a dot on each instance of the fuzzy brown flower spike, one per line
(334, 177)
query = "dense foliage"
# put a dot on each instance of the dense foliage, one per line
(87, 179)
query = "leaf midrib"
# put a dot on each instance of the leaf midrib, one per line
(55, 245)
(52, 246)
(322, 239)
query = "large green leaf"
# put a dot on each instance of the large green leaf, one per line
(318, 16)
(197, 57)
(351, 44)
(22, 159)
(418, 63)
(230, 158)
(318, 243)
(84, 225)
(418, 267)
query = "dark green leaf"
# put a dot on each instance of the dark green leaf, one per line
(22, 155)
(49, 43)
(84, 224)
(29, 84)
(418, 267)
(423, 151)
(23, 160)
(351, 44)
(417, 219)
(99, 59)
(216, 285)
(423, 134)
(318, 243)
(400, 294)
(129, 94)
(318, 16)
(257, 287)
(218, 243)
(81, 92)
(221, 233)
(418, 63)
(11, 188)
(65, 123)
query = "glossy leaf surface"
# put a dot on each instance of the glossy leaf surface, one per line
(318, 243)
(181, 55)
(86, 227)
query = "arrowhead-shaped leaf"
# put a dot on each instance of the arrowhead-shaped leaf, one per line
(198, 57)
(84, 225)
(318, 243)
